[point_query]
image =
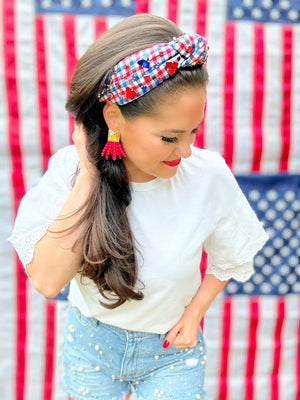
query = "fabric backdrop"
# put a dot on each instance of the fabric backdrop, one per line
(253, 118)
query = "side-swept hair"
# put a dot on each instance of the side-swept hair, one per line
(108, 245)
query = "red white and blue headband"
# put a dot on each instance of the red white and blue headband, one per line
(137, 74)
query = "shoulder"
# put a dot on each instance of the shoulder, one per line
(205, 173)
(206, 164)
(206, 156)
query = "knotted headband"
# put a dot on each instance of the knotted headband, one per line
(137, 74)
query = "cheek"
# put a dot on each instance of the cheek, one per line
(141, 146)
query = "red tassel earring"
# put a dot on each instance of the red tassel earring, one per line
(113, 146)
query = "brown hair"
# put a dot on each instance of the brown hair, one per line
(108, 244)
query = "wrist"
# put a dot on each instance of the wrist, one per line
(86, 177)
(84, 185)
(195, 311)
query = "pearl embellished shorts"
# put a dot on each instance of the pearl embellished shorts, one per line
(105, 362)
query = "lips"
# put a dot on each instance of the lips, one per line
(172, 163)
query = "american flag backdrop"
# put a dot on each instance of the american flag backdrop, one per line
(252, 330)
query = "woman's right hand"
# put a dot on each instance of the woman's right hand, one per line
(79, 137)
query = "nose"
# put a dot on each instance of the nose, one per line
(184, 150)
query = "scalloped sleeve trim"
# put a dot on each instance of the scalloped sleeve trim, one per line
(243, 269)
(41, 204)
(240, 273)
(24, 246)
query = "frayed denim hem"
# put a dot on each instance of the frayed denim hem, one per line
(86, 396)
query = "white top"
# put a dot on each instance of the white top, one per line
(171, 219)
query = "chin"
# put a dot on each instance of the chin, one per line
(168, 174)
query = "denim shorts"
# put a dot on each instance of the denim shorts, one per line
(105, 362)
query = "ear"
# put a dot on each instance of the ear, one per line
(112, 115)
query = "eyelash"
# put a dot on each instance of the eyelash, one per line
(169, 140)
(174, 139)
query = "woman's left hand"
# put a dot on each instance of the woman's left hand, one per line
(184, 333)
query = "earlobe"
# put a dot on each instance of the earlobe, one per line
(112, 115)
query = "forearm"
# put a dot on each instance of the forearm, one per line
(184, 333)
(207, 292)
(55, 262)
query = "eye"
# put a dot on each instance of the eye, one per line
(169, 139)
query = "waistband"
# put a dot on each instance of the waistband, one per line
(120, 331)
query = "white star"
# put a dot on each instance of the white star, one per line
(248, 3)
(126, 3)
(290, 195)
(293, 15)
(284, 4)
(272, 195)
(66, 3)
(266, 3)
(86, 3)
(238, 12)
(258, 279)
(256, 13)
(276, 279)
(260, 260)
(231, 287)
(265, 287)
(275, 14)
(106, 3)
(46, 3)
(283, 288)
(296, 287)
(297, 270)
(248, 287)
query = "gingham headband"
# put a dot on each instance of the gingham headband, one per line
(137, 74)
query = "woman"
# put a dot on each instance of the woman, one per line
(125, 212)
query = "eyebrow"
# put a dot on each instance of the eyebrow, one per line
(171, 131)
(176, 131)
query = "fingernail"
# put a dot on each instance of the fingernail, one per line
(166, 344)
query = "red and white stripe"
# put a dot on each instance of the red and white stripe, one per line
(17, 184)
(252, 118)
(294, 164)
(216, 10)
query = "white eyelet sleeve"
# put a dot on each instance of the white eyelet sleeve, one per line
(237, 235)
(41, 204)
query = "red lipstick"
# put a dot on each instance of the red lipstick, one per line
(172, 163)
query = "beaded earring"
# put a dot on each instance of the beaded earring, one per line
(113, 146)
